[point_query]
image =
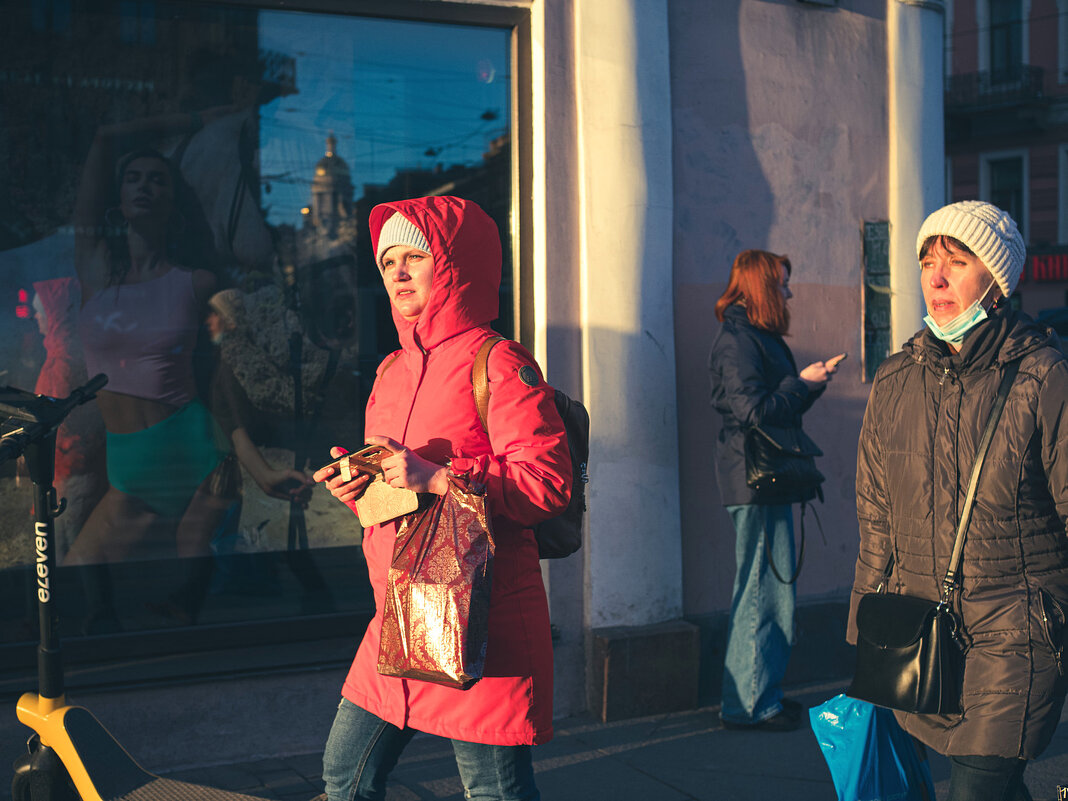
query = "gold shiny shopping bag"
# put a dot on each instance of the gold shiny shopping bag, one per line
(436, 619)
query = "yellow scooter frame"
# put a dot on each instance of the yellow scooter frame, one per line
(69, 746)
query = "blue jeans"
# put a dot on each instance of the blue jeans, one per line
(987, 778)
(362, 749)
(762, 614)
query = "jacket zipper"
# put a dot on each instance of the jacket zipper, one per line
(415, 390)
(938, 424)
(1051, 632)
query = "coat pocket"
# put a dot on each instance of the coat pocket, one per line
(1053, 626)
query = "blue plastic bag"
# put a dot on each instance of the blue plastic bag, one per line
(870, 756)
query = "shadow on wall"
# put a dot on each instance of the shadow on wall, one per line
(726, 200)
(717, 175)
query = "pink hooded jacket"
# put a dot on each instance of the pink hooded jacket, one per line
(423, 399)
(80, 439)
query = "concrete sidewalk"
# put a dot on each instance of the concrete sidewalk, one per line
(685, 756)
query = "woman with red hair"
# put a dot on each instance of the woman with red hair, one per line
(755, 382)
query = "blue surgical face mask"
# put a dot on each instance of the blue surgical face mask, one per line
(953, 332)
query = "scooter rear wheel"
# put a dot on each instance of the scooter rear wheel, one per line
(20, 787)
(40, 776)
(21, 790)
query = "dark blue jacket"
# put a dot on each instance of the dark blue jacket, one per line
(754, 381)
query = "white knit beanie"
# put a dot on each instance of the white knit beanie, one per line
(989, 233)
(228, 304)
(399, 230)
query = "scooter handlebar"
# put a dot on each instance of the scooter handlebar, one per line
(13, 445)
(83, 394)
(87, 391)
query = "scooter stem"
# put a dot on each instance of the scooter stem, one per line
(40, 458)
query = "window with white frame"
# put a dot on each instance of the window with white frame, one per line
(1003, 181)
(1003, 40)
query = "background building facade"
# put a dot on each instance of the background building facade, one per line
(1007, 130)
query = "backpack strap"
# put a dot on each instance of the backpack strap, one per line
(480, 379)
(389, 363)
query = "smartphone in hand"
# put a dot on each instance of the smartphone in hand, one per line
(834, 361)
(362, 462)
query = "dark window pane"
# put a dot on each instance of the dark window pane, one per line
(1006, 40)
(1006, 186)
(50, 15)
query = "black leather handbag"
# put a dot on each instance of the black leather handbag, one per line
(908, 654)
(910, 651)
(780, 464)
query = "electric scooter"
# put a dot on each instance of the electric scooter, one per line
(70, 756)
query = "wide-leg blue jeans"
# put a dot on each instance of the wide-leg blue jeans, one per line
(761, 628)
(362, 749)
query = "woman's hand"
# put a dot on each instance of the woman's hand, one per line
(817, 374)
(345, 491)
(286, 485)
(407, 469)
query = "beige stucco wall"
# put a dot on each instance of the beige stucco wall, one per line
(780, 143)
(778, 140)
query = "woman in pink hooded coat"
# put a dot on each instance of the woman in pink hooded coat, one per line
(440, 259)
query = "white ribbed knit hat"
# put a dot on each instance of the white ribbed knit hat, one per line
(989, 233)
(228, 304)
(399, 230)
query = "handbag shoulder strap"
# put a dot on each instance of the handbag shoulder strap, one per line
(952, 580)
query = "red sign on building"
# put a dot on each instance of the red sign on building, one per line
(1050, 267)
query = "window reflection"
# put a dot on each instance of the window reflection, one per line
(184, 207)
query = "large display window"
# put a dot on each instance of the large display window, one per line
(184, 193)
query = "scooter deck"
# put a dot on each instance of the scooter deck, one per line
(101, 769)
(118, 777)
(169, 790)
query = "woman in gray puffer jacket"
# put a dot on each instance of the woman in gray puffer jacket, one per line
(927, 410)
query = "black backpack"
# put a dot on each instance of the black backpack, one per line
(559, 536)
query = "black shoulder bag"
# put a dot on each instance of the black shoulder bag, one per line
(780, 467)
(910, 653)
(780, 464)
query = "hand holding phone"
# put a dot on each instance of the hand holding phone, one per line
(817, 374)
(358, 480)
(351, 465)
(833, 362)
(349, 475)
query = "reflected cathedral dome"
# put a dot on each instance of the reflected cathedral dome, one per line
(331, 190)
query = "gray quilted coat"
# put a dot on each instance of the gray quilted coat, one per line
(923, 422)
